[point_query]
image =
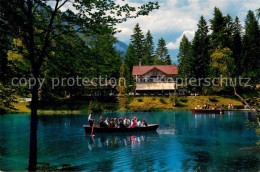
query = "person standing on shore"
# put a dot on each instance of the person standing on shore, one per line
(91, 119)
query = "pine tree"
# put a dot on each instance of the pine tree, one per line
(130, 61)
(228, 29)
(168, 60)
(161, 52)
(185, 58)
(251, 48)
(217, 27)
(122, 87)
(236, 46)
(148, 49)
(137, 41)
(130, 58)
(200, 48)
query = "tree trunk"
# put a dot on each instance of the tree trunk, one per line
(33, 130)
(241, 98)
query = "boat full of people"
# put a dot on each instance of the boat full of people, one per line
(121, 125)
(207, 109)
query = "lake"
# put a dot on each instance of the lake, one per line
(183, 142)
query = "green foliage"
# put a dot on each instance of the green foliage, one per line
(225, 51)
(95, 106)
(200, 50)
(137, 42)
(140, 100)
(148, 49)
(185, 58)
(258, 134)
(218, 25)
(175, 100)
(162, 100)
(122, 87)
(183, 99)
(251, 48)
(7, 97)
(162, 56)
(236, 46)
(213, 99)
(221, 62)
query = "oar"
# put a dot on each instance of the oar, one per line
(91, 135)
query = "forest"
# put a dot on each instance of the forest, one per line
(222, 47)
(73, 52)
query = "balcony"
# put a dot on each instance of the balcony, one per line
(155, 86)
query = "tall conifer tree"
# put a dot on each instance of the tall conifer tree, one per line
(251, 48)
(217, 27)
(148, 49)
(161, 52)
(185, 58)
(200, 47)
(236, 46)
(137, 41)
(130, 58)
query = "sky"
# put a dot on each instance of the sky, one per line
(175, 18)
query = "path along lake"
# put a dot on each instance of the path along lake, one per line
(183, 142)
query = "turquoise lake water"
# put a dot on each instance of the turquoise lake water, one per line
(183, 142)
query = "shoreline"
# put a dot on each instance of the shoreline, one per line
(135, 104)
(73, 112)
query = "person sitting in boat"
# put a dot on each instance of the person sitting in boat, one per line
(215, 107)
(126, 122)
(91, 119)
(107, 122)
(138, 122)
(121, 123)
(134, 123)
(144, 124)
(101, 122)
(116, 123)
(134, 120)
(112, 123)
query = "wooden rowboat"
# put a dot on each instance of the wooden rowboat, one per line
(217, 111)
(97, 129)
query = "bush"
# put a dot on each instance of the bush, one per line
(122, 100)
(213, 99)
(154, 98)
(183, 99)
(175, 100)
(163, 101)
(95, 106)
(176, 103)
(110, 107)
(140, 100)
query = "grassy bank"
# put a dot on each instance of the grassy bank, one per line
(179, 103)
(146, 103)
(65, 107)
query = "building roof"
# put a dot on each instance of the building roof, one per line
(167, 69)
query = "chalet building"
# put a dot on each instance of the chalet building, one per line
(156, 79)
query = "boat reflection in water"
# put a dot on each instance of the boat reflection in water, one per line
(115, 140)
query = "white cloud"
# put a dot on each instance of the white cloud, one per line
(179, 16)
(176, 44)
